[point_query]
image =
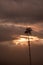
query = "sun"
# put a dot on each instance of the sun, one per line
(22, 39)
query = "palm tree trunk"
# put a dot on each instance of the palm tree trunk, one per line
(29, 51)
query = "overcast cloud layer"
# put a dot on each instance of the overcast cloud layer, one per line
(23, 13)
(22, 8)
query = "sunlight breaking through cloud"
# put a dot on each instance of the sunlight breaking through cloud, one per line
(24, 39)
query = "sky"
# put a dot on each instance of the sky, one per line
(17, 15)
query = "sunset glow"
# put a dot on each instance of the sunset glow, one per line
(24, 39)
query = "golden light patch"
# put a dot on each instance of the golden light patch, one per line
(22, 39)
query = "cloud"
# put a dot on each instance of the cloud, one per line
(20, 13)
(22, 8)
(9, 31)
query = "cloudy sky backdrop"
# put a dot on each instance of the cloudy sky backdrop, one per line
(15, 16)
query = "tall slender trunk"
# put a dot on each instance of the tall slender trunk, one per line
(29, 52)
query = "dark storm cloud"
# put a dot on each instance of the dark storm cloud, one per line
(19, 12)
(33, 9)
(11, 31)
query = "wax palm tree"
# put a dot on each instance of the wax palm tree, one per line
(28, 32)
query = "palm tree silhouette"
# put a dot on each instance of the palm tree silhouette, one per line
(28, 32)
